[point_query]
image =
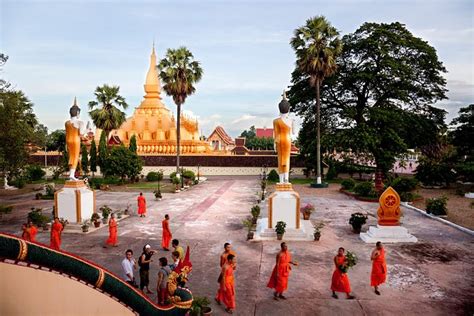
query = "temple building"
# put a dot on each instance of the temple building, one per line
(220, 140)
(155, 126)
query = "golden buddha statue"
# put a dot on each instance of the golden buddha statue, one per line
(282, 130)
(74, 129)
(154, 125)
(389, 210)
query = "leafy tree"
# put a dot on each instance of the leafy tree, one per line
(463, 134)
(317, 46)
(103, 152)
(84, 159)
(179, 72)
(381, 97)
(436, 165)
(17, 126)
(3, 83)
(93, 157)
(123, 163)
(40, 136)
(256, 143)
(56, 140)
(249, 134)
(105, 112)
(133, 144)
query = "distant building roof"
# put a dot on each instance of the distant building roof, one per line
(219, 130)
(264, 132)
(114, 140)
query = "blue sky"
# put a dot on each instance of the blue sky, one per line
(62, 49)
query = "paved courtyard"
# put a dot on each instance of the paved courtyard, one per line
(431, 277)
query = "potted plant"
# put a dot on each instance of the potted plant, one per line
(317, 230)
(280, 229)
(307, 210)
(200, 306)
(119, 214)
(248, 223)
(255, 211)
(95, 219)
(85, 226)
(5, 209)
(176, 183)
(357, 220)
(105, 213)
(126, 210)
(64, 222)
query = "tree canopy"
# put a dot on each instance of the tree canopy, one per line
(380, 101)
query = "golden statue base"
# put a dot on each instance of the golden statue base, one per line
(284, 205)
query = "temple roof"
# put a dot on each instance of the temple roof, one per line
(263, 132)
(219, 130)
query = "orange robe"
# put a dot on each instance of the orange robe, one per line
(166, 237)
(33, 232)
(73, 143)
(282, 137)
(280, 282)
(112, 240)
(226, 292)
(56, 230)
(340, 281)
(26, 235)
(141, 205)
(379, 270)
(219, 295)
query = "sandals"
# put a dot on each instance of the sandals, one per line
(229, 311)
(334, 295)
(377, 292)
(217, 301)
(351, 297)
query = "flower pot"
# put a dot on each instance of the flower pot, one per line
(85, 229)
(317, 236)
(46, 227)
(104, 220)
(306, 216)
(250, 235)
(254, 220)
(356, 228)
(96, 224)
(279, 236)
(206, 311)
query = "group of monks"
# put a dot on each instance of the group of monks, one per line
(29, 231)
(281, 272)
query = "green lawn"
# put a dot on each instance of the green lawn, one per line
(308, 181)
(56, 181)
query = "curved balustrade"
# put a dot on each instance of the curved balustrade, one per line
(19, 250)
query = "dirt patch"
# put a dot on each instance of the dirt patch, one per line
(425, 253)
(403, 277)
(460, 210)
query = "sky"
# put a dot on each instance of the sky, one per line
(61, 49)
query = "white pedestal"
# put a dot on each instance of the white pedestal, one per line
(387, 234)
(284, 205)
(469, 195)
(75, 202)
(305, 232)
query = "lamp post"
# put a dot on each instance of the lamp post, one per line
(198, 172)
(182, 178)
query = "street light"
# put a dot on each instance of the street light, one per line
(198, 172)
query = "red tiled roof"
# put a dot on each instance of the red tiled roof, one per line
(264, 132)
(219, 130)
(114, 140)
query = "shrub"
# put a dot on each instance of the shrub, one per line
(403, 184)
(280, 227)
(175, 180)
(273, 176)
(407, 196)
(348, 184)
(357, 219)
(189, 174)
(49, 189)
(364, 189)
(36, 217)
(437, 206)
(5, 209)
(18, 182)
(172, 175)
(255, 211)
(154, 176)
(34, 172)
(105, 211)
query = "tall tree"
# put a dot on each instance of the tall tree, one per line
(93, 157)
(179, 72)
(103, 152)
(317, 46)
(105, 112)
(463, 134)
(84, 160)
(133, 144)
(56, 140)
(382, 94)
(17, 126)
(123, 163)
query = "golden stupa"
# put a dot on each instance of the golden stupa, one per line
(154, 125)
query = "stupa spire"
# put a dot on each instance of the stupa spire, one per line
(152, 84)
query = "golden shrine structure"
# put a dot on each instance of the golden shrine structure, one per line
(154, 125)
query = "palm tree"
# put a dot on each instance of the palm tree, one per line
(104, 112)
(317, 46)
(179, 72)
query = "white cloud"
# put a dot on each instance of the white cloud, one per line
(244, 118)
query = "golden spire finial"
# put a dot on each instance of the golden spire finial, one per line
(284, 95)
(75, 101)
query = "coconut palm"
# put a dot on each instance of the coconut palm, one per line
(105, 112)
(317, 46)
(179, 72)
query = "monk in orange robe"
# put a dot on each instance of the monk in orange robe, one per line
(25, 232)
(340, 280)
(227, 286)
(33, 231)
(379, 267)
(166, 236)
(281, 272)
(227, 251)
(112, 240)
(141, 205)
(56, 230)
